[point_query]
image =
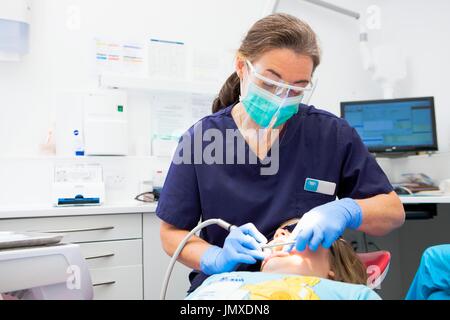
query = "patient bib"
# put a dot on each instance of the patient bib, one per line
(289, 288)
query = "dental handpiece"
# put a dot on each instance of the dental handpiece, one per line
(279, 244)
(225, 225)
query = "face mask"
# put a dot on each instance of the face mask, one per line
(267, 109)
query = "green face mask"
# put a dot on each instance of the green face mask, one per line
(269, 110)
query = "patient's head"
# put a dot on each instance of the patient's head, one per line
(339, 263)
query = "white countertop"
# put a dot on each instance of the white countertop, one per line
(425, 199)
(33, 211)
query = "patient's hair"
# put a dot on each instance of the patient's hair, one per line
(345, 263)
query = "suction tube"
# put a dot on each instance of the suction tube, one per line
(221, 223)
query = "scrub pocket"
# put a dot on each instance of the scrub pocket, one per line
(305, 201)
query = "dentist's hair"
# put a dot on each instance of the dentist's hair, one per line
(276, 31)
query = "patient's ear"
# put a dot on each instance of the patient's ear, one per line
(331, 275)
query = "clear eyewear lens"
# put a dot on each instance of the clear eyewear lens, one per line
(277, 88)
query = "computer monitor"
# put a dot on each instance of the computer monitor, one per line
(397, 125)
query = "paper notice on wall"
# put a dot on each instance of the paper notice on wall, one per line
(119, 57)
(205, 65)
(167, 59)
(172, 115)
(200, 106)
(169, 121)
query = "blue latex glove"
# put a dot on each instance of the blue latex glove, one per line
(323, 225)
(243, 245)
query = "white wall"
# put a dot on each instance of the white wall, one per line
(420, 29)
(61, 60)
(27, 181)
(61, 55)
(341, 74)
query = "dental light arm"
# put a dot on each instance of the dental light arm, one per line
(333, 7)
(366, 53)
(225, 225)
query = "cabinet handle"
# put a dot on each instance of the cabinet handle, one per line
(107, 255)
(80, 230)
(107, 283)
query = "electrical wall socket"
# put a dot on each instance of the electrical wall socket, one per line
(115, 180)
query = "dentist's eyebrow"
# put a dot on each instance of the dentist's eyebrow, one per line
(275, 73)
(279, 76)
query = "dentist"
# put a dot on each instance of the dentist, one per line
(320, 158)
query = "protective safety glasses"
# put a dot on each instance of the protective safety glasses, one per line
(277, 87)
(290, 227)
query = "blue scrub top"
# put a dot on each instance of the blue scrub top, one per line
(315, 144)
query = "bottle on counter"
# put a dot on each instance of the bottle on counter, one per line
(78, 144)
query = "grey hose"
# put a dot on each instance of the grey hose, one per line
(180, 247)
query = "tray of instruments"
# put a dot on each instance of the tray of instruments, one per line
(11, 239)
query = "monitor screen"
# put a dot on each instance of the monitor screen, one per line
(399, 125)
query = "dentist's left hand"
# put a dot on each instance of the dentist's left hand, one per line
(243, 245)
(323, 225)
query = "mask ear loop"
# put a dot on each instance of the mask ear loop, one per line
(246, 131)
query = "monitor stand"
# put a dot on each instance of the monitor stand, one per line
(397, 155)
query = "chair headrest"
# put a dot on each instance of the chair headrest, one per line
(377, 265)
(377, 258)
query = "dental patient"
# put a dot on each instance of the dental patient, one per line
(326, 274)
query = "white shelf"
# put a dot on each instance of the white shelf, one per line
(425, 199)
(83, 158)
(156, 85)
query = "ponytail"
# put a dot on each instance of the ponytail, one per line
(229, 94)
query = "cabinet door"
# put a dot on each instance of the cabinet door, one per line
(112, 254)
(115, 268)
(118, 283)
(156, 262)
(82, 228)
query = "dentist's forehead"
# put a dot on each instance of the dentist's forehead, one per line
(290, 66)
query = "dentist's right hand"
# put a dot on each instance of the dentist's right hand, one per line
(241, 246)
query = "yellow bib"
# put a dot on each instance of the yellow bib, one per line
(288, 288)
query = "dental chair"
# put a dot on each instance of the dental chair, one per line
(49, 272)
(377, 266)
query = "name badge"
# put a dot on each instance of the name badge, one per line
(319, 186)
